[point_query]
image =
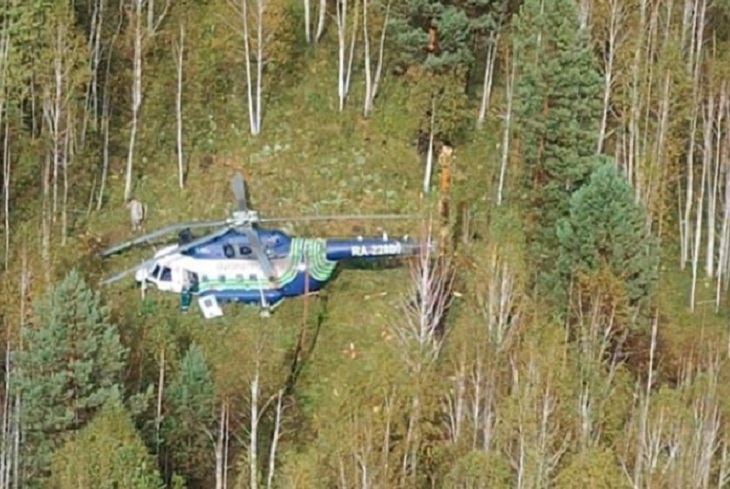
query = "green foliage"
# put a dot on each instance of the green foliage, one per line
(479, 470)
(454, 25)
(107, 453)
(70, 366)
(190, 417)
(607, 229)
(594, 467)
(558, 108)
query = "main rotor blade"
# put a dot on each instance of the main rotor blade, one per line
(239, 191)
(258, 249)
(342, 217)
(161, 232)
(179, 249)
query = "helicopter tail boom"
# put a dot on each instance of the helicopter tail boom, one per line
(341, 249)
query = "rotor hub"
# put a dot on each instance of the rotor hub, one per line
(239, 218)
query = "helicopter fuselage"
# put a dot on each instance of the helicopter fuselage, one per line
(226, 268)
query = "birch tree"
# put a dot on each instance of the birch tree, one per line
(372, 80)
(252, 43)
(321, 15)
(144, 26)
(92, 100)
(138, 34)
(693, 34)
(420, 336)
(344, 62)
(614, 37)
(178, 49)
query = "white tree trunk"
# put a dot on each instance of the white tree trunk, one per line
(488, 77)
(253, 436)
(320, 21)
(275, 440)
(6, 190)
(507, 130)
(307, 22)
(616, 14)
(136, 95)
(344, 63)
(179, 58)
(710, 150)
(91, 103)
(372, 83)
(429, 155)
(253, 88)
(698, 236)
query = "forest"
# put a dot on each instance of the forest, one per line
(575, 334)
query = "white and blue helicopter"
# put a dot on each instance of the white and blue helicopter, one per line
(243, 263)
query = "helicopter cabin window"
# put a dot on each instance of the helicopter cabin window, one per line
(204, 278)
(155, 272)
(228, 251)
(222, 279)
(244, 250)
(239, 277)
(166, 275)
(253, 276)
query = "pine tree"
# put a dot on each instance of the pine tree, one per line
(606, 229)
(558, 108)
(69, 367)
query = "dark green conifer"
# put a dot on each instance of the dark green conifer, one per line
(606, 229)
(558, 109)
(69, 367)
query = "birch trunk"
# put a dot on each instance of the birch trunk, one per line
(68, 151)
(616, 14)
(253, 88)
(709, 157)
(724, 163)
(136, 95)
(695, 61)
(506, 130)
(429, 155)
(253, 437)
(698, 238)
(372, 83)
(307, 22)
(220, 448)
(178, 106)
(91, 102)
(320, 21)
(344, 66)
(488, 77)
(6, 190)
(160, 394)
(635, 95)
(275, 440)
(105, 117)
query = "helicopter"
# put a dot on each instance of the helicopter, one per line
(241, 262)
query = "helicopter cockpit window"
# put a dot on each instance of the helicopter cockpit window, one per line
(155, 272)
(228, 251)
(166, 274)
